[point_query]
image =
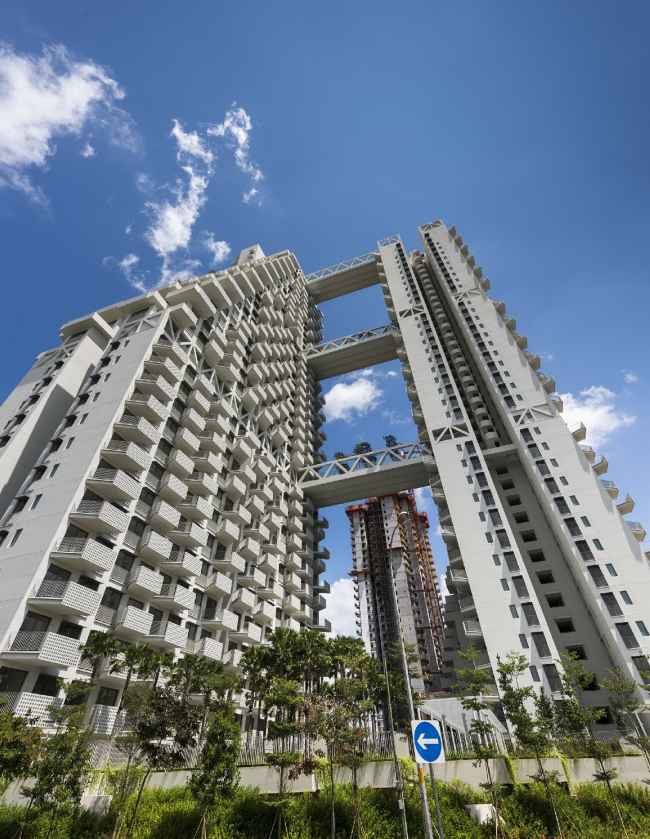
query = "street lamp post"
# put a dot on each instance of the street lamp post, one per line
(402, 517)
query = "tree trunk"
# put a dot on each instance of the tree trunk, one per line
(122, 795)
(23, 822)
(49, 830)
(615, 802)
(549, 794)
(333, 813)
(357, 822)
(137, 803)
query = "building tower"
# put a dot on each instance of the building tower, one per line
(409, 561)
(150, 465)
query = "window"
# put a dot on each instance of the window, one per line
(552, 486)
(96, 397)
(488, 536)
(495, 517)
(107, 377)
(35, 502)
(573, 499)
(528, 536)
(553, 462)
(600, 580)
(513, 500)
(511, 561)
(543, 649)
(545, 577)
(584, 549)
(514, 612)
(521, 518)
(612, 604)
(520, 586)
(552, 677)
(564, 481)
(488, 497)
(54, 470)
(507, 484)
(530, 614)
(611, 569)
(625, 597)
(562, 506)
(496, 559)
(642, 628)
(69, 443)
(545, 447)
(523, 641)
(555, 600)
(504, 585)
(542, 467)
(578, 651)
(504, 541)
(470, 480)
(627, 635)
(481, 516)
(107, 696)
(534, 673)
(527, 437)
(45, 685)
(598, 545)
(11, 681)
(585, 521)
(572, 526)
(33, 622)
(565, 625)
(15, 538)
(117, 358)
(83, 419)
(537, 556)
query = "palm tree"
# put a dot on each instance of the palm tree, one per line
(254, 660)
(99, 645)
(131, 658)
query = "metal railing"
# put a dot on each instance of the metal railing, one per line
(342, 266)
(355, 463)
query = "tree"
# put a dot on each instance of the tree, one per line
(530, 732)
(63, 764)
(391, 441)
(342, 467)
(577, 719)
(100, 645)
(364, 449)
(253, 663)
(216, 774)
(130, 659)
(626, 707)
(476, 683)
(164, 726)
(20, 739)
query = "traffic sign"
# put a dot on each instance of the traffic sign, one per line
(427, 741)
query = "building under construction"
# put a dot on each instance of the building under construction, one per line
(381, 546)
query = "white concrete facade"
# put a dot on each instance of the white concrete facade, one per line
(152, 486)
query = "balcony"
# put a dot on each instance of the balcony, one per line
(155, 386)
(235, 488)
(207, 462)
(193, 421)
(318, 603)
(264, 612)
(131, 622)
(213, 353)
(245, 474)
(190, 535)
(467, 605)
(64, 598)
(274, 545)
(196, 508)
(158, 365)
(125, 455)
(198, 402)
(147, 406)
(100, 516)
(179, 464)
(323, 625)
(34, 704)
(137, 429)
(610, 488)
(262, 492)
(206, 648)
(248, 633)
(113, 483)
(102, 721)
(255, 506)
(192, 294)
(257, 530)
(292, 582)
(84, 554)
(144, 583)
(229, 369)
(249, 549)
(229, 561)
(279, 506)
(236, 513)
(232, 661)
(44, 648)
(212, 442)
(638, 531)
(155, 547)
(201, 484)
(186, 441)
(473, 629)
(166, 634)
(164, 517)
(226, 532)
(216, 423)
(243, 601)
(219, 619)
(175, 596)
(252, 577)
(182, 564)
(170, 349)
(183, 316)
(218, 585)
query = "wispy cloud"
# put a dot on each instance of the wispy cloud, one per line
(220, 250)
(340, 608)
(352, 398)
(46, 97)
(630, 377)
(236, 129)
(596, 408)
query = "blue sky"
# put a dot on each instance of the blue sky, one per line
(523, 124)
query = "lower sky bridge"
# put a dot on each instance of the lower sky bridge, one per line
(381, 472)
(354, 352)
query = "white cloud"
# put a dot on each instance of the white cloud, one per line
(596, 408)
(43, 98)
(352, 398)
(340, 608)
(630, 377)
(191, 144)
(128, 267)
(396, 419)
(88, 151)
(391, 373)
(128, 230)
(220, 250)
(235, 129)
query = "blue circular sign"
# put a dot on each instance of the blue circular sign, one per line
(427, 741)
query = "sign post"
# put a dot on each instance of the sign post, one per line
(427, 742)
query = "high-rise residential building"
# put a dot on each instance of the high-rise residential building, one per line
(397, 575)
(162, 476)
(149, 469)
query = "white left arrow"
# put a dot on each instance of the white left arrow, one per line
(423, 741)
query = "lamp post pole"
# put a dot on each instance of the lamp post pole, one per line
(423, 789)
